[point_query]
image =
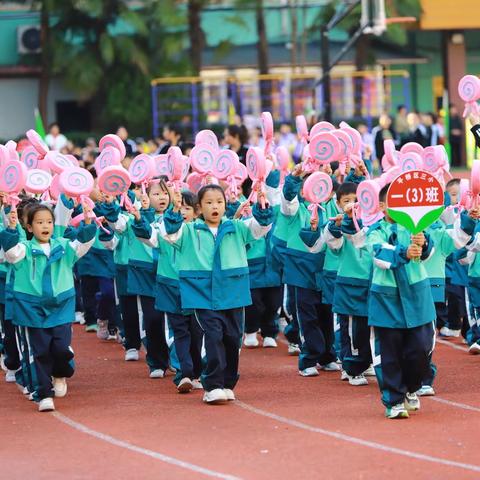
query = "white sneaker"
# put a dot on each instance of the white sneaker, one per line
(412, 402)
(10, 376)
(370, 372)
(474, 349)
(46, 405)
(293, 350)
(197, 384)
(158, 373)
(102, 332)
(358, 380)
(331, 367)
(2, 363)
(309, 372)
(397, 411)
(229, 394)
(59, 386)
(215, 396)
(79, 318)
(426, 391)
(131, 355)
(448, 332)
(269, 342)
(251, 340)
(185, 385)
(344, 376)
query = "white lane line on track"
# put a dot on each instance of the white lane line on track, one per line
(452, 345)
(455, 404)
(356, 440)
(149, 453)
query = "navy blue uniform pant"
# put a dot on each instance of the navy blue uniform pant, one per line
(401, 357)
(356, 354)
(291, 332)
(315, 320)
(98, 298)
(223, 331)
(262, 313)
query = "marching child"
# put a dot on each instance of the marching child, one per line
(44, 297)
(214, 281)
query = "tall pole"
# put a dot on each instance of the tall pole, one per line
(326, 90)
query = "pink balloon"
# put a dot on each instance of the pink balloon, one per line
(141, 169)
(225, 164)
(38, 181)
(108, 156)
(30, 157)
(321, 127)
(195, 182)
(367, 196)
(208, 137)
(12, 150)
(57, 162)
(325, 148)
(410, 161)
(76, 181)
(317, 187)
(114, 141)
(13, 176)
(475, 178)
(302, 127)
(469, 88)
(163, 168)
(267, 126)
(36, 140)
(114, 180)
(55, 187)
(412, 147)
(202, 157)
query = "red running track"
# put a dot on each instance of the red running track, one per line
(117, 423)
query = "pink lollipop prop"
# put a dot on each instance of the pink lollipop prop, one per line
(36, 140)
(73, 160)
(162, 166)
(435, 160)
(13, 177)
(177, 162)
(346, 147)
(267, 130)
(195, 182)
(114, 180)
(391, 154)
(114, 141)
(202, 158)
(108, 156)
(410, 161)
(38, 181)
(57, 162)
(258, 169)
(186, 166)
(76, 182)
(325, 148)
(475, 182)
(368, 204)
(225, 164)
(283, 162)
(412, 147)
(4, 155)
(469, 91)
(12, 150)
(30, 157)
(302, 128)
(142, 170)
(55, 187)
(321, 127)
(355, 136)
(317, 189)
(208, 137)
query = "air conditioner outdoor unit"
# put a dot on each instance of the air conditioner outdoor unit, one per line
(29, 39)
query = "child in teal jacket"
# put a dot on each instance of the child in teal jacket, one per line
(214, 281)
(44, 297)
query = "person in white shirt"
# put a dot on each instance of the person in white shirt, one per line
(55, 140)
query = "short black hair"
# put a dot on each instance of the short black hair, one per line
(239, 131)
(206, 188)
(189, 199)
(452, 182)
(346, 188)
(382, 196)
(34, 209)
(24, 205)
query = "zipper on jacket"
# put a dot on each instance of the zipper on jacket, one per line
(34, 268)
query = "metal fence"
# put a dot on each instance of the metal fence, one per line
(197, 102)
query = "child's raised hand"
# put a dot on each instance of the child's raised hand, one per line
(136, 213)
(361, 170)
(314, 224)
(241, 209)
(474, 213)
(298, 170)
(108, 198)
(338, 220)
(87, 214)
(145, 201)
(414, 251)
(418, 239)
(474, 119)
(13, 219)
(349, 210)
(367, 153)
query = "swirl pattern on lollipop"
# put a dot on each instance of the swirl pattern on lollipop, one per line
(410, 161)
(76, 181)
(469, 88)
(252, 164)
(325, 148)
(141, 168)
(367, 195)
(202, 158)
(13, 175)
(108, 156)
(224, 164)
(113, 183)
(38, 181)
(317, 187)
(30, 157)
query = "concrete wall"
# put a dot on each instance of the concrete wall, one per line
(19, 98)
